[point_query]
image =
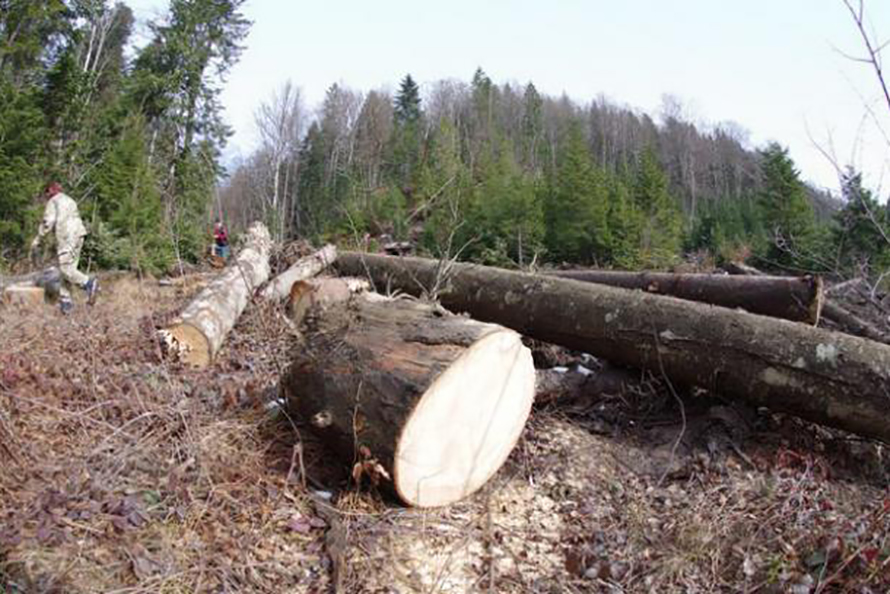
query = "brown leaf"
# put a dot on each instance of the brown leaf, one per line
(299, 525)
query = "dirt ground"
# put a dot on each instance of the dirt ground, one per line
(123, 472)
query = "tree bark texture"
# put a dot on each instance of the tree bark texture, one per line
(421, 400)
(792, 298)
(200, 330)
(827, 377)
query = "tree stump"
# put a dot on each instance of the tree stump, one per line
(417, 399)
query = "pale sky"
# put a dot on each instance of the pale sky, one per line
(772, 66)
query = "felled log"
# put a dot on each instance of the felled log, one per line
(25, 296)
(48, 279)
(793, 298)
(421, 401)
(196, 336)
(304, 268)
(831, 310)
(852, 323)
(827, 377)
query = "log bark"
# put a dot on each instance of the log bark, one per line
(852, 323)
(827, 377)
(303, 269)
(196, 336)
(792, 298)
(831, 310)
(425, 402)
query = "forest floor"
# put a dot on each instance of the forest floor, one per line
(123, 472)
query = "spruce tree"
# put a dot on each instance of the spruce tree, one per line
(576, 210)
(406, 138)
(661, 233)
(862, 233)
(787, 214)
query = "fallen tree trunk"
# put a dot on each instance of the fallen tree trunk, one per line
(831, 310)
(827, 377)
(792, 298)
(420, 400)
(304, 268)
(852, 323)
(196, 336)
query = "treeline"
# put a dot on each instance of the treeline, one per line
(503, 174)
(133, 134)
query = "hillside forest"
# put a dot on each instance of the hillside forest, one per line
(497, 173)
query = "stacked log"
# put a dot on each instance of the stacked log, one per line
(827, 377)
(792, 298)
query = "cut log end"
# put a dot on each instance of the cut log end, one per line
(466, 423)
(187, 344)
(25, 297)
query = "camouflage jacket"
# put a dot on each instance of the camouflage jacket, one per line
(61, 215)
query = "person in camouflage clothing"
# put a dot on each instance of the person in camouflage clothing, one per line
(62, 217)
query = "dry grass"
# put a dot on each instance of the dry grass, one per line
(125, 473)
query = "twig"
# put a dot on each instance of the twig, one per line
(682, 411)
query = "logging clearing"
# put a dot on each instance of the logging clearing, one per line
(327, 407)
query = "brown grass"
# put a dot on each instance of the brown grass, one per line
(122, 472)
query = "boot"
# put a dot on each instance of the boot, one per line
(65, 305)
(92, 288)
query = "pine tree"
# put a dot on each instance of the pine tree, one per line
(532, 128)
(576, 210)
(863, 228)
(787, 214)
(406, 149)
(661, 231)
(407, 102)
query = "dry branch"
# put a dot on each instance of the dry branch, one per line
(199, 332)
(792, 298)
(826, 377)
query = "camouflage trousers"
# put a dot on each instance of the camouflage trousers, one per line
(69, 256)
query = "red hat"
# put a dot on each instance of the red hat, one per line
(53, 188)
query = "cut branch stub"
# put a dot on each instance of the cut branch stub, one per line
(425, 402)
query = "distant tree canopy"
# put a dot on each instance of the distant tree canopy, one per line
(497, 173)
(135, 141)
(506, 175)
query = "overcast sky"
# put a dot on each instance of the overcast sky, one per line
(772, 66)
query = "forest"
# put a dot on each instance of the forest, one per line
(494, 173)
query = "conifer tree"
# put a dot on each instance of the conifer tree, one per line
(661, 231)
(787, 214)
(862, 233)
(576, 210)
(406, 138)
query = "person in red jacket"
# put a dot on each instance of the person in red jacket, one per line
(221, 240)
